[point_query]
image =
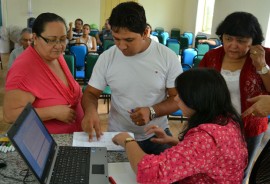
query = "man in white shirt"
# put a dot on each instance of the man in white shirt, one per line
(141, 74)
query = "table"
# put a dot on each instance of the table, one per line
(15, 164)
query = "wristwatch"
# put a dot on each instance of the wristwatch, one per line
(153, 114)
(129, 139)
(264, 70)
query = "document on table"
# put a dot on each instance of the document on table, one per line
(82, 139)
(122, 173)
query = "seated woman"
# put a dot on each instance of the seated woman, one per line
(212, 148)
(41, 76)
(90, 41)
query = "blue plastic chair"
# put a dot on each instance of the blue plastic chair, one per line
(162, 37)
(80, 52)
(174, 45)
(190, 37)
(188, 56)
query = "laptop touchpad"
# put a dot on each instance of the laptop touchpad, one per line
(98, 169)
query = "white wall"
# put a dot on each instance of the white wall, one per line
(167, 14)
(16, 11)
(159, 13)
(259, 8)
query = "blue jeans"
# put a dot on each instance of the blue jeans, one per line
(153, 148)
(253, 144)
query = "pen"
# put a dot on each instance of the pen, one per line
(111, 180)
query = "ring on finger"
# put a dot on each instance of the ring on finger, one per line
(253, 114)
(255, 52)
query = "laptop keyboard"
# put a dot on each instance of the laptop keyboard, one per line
(72, 165)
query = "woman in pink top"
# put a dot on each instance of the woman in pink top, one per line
(41, 76)
(211, 150)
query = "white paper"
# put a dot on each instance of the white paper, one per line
(122, 173)
(82, 139)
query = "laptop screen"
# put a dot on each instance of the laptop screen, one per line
(34, 141)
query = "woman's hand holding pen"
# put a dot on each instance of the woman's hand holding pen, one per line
(140, 115)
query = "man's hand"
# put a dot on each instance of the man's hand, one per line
(91, 123)
(140, 116)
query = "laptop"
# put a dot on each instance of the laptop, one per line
(51, 163)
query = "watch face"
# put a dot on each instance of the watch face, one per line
(265, 70)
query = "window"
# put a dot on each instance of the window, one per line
(205, 13)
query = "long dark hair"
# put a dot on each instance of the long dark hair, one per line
(205, 91)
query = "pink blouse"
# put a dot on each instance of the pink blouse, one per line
(209, 153)
(30, 73)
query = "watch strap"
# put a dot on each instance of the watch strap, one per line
(152, 113)
(129, 140)
(264, 70)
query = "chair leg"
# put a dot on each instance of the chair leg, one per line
(108, 105)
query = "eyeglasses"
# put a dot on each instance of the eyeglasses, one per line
(62, 41)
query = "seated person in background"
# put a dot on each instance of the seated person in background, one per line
(26, 38)
(213, 43)
(74, 33)
(211, 150)
(90, 41)
(40, 76)
(104, 34)
(150, 35)
(260, 106)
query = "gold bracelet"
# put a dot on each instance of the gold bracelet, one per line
(129, 139)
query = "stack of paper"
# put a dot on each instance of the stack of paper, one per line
(82, 139)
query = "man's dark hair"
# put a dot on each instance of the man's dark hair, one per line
(128, 15)
(241, 24)
(79, 20)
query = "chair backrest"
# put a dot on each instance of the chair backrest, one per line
(199, 37)
(93, 32)
(162, 37)
(174, 45)
(159, 30)
(90, 63)
(71, 63)
(202, 49)
(175, 33)
(188, 56)
(261, 170)
(190, 37)
(184, 41)
(80, 52)
(107, 44)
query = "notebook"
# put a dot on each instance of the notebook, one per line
(49, 162)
